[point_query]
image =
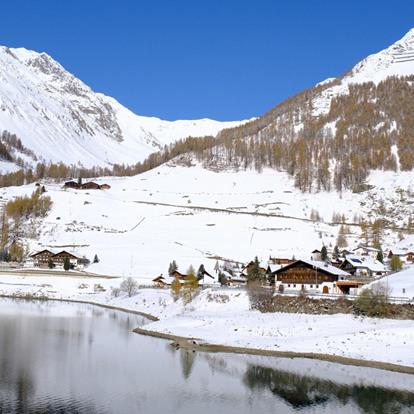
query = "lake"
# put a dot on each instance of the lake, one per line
(58, 357)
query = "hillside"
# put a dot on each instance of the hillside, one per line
(60, 119)
(332, 135)
(193, 215)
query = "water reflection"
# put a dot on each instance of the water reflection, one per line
(302, 391)
(72, 358)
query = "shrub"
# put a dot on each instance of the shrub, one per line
(66, 263)
(115, 292)
(396, 263)
(373, 301)
(129, 286)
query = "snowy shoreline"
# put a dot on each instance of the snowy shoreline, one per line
(222, 321)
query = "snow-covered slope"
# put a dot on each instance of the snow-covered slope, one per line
(396, 60)
(144, 222)
(61, 119)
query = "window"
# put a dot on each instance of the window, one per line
(311, 286)
(317, 286)
(294, 285)
(288, 285)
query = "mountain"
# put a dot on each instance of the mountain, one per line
(59, 118)
(334, 134)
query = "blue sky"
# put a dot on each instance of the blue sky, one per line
(191, 59)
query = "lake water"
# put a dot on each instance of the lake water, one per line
(74, 358)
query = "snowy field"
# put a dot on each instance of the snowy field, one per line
(223, 317)
(193, 215)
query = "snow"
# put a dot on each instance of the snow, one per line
(400, 284)
(61, 119)
(193, 215)
(230, 322)
(396, 60)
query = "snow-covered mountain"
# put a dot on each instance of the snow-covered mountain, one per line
(60, 118)
(396, 60)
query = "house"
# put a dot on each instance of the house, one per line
(262, 267)
(160, 281)
(404, 255)
(279, 261)
(90, 185)
(316, 255)
(177, 275)
(41, 259)
(309, 275)
(71, 184)
(59, 259)
(363, 266)
(362, 250)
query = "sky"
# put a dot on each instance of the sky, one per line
(183, 59)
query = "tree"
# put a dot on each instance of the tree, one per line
(66, 263)
(79, 181)
(96, 259)
(50, 263)
(336, 253)
(254, 273)
(129, 285)
(324, 253)
(172, 268)
(396, 263)
(200, 272)
(175, 288)
(380, 256)
(341, 239)
(191, 271)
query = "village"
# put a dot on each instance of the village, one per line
(325, 272)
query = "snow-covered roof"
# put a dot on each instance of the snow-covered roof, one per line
(367, 249)
(366, 262)
(319, 265)
(274, 267)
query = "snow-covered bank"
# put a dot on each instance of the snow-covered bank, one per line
(223, 317)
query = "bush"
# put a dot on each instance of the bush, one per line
(115, 292)
(396, 263)
(129, 286)
(373, 301)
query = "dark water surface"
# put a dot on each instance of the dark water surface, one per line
(75, 358)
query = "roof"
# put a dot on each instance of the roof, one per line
(67, 253)
(274, 267)
(317, 265)
(42, 251)
(366, 262)
(368, 249)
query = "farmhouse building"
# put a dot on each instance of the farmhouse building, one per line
(90, 185)
(41, 259)
(363, 266)
(309, 275)
(71, 184)
(59, 258)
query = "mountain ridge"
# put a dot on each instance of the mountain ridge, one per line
(47, 107)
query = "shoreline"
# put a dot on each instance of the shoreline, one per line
(198, 344)
(152, 318)
(190, 343)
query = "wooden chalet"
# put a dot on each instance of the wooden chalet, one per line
(90, 185)
(71, 184)
(160, 281)
(262, 268)
(59, 258)
(279, 261)
(41, 259)
(308, 274)
(363, 266)
(407, 256)
(177, 275)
